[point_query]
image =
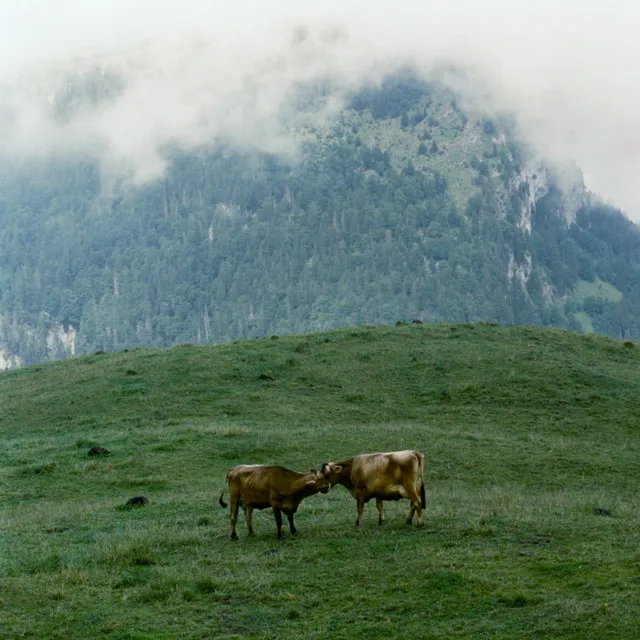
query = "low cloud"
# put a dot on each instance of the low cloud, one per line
(187, 73)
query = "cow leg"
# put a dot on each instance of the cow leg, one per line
(292, 527)
(235, 505)
(419, 512)
(415, 507)
(278, 514)
(360, 499)
(249, 513)
(380, 514)
(423, 504)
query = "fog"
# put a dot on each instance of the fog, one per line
(192, 72)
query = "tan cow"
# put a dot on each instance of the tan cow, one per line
(257, 486)
(383, 476)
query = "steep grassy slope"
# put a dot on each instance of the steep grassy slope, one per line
(532, 526)
(457, 141)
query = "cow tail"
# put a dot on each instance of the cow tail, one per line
(423, 497)
(223, 504)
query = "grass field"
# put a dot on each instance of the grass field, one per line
(532, 526)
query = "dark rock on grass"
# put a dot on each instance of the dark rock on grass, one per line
(601, 511)
(98, 451)
(133, 503)
(137, 501)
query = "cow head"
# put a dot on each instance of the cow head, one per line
(331, 471)
(318, 482)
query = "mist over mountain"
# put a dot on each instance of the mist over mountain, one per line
(220, 172)
(186, 74)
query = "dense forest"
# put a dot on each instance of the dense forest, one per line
(405, 207)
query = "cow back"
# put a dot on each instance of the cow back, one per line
(387, 473)
(261, 485)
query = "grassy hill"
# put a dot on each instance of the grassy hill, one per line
(532, 528)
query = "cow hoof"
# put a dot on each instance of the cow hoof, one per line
(293, 533)
(234, 536)
(251, 534)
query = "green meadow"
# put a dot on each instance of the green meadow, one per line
(532, 526)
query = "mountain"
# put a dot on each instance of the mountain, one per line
(404, 206)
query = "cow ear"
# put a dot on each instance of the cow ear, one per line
(310, 483)
(337, 468)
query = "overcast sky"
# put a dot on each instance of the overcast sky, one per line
(567, 70)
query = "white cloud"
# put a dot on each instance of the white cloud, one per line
(205, 69)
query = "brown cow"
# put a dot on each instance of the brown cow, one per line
(383, 476)
(257, 486)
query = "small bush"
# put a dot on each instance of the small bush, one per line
(158, 590)
(515, 600)
(207, 585)
(188, 595)
(40, 469)
(44, 564)
(133, 578)
(135, 554)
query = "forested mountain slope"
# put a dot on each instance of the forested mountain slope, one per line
(403, 207)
